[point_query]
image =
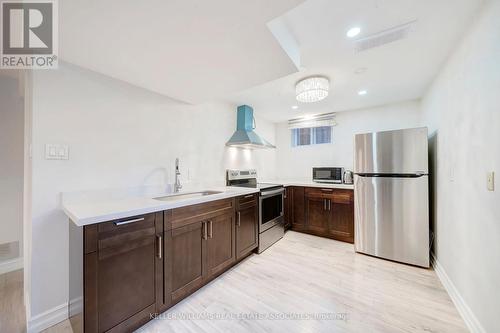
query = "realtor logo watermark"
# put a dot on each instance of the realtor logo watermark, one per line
(29, 34)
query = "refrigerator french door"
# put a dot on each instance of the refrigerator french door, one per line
(391, 201)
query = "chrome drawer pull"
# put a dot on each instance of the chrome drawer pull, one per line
(248, 196)
(129, 221)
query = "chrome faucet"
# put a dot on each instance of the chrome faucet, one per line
(177, 184)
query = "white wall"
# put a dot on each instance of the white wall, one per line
(297, 162)
(462, 109)
(118, 136)
(11, 162)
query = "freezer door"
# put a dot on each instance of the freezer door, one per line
(392, 218)
(391, 152)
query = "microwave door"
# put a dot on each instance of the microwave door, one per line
(323, 175)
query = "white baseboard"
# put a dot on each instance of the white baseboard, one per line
(463, 309)
(48, 318)
(75, 306)
(11, 265)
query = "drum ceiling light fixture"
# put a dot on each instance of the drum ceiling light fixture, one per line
(312, 89)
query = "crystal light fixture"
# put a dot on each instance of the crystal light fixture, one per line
(312, 89)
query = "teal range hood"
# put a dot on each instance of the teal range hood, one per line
(245, 137)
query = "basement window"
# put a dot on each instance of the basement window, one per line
(307, 136)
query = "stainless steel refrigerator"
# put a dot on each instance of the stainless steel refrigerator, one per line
(391, 199)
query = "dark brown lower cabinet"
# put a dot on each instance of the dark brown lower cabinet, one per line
(317, 214)
(327, 212)
(247, 224)
(185, 258)
(286, 208)
(296, 211)
(221, 244)
(199, 245)
(122, 261)
(342, 211)
(140, 266)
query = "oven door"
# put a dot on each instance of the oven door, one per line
(271, 209)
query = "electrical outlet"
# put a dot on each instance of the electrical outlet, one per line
(491, 181)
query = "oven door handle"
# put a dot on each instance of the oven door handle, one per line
(271, 193)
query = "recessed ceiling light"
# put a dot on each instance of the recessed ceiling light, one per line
(353, 32)
(295, 107)
(362, 92)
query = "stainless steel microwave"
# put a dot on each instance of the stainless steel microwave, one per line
(328, 175)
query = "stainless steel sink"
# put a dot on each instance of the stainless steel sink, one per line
(183, 196)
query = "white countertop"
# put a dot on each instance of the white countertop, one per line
(309, 183)
(90, 211)
(94, 207)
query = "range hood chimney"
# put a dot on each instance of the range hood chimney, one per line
(245, 137)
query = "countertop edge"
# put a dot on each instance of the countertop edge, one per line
(121, 214)
(312, 184)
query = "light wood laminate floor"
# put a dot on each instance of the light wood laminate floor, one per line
(12, 314)
(304, 275)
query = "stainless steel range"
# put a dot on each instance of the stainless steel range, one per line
(271, 221)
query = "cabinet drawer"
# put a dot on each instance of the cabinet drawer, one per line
(343, 196)
(124, 235)
(319, 192)
(182, 216)
(125, 225)
(118, 232)
(246, 201)
(335, 195)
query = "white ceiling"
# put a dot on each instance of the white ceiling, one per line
(398, 71)
(190, 50)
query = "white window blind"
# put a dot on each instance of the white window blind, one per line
(320, 120)
(312, 131)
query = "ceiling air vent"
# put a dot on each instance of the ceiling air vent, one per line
(383, 37)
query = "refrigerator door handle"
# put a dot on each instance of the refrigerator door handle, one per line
(391, 175)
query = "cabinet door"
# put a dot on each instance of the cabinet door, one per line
(317, 214)
(342, 221)
(286, 208)
(298, 208)
(120, 276)
(185, 256)
(221, 251)
(246, 230)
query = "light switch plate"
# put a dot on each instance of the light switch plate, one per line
(56, 152)
(491, 181)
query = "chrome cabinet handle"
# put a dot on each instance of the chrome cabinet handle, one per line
(248, 196)
(239, 219)
(329, 204)
(210, 230)
(327, 190)
(324, 204)
(159, 239)
(205, 230)
(285, 193)
(129, 221)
